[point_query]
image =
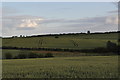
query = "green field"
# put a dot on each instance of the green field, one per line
(80, 41)
(63, 64)
(62, 67)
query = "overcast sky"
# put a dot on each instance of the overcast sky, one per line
(33, 18)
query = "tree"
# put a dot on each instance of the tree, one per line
(20, 35)
(88, 32)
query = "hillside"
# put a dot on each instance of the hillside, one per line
(71, 41)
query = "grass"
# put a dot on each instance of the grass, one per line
(81, 41)
(62, 67)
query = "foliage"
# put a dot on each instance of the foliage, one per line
(22, 56)
(32, 55)
(8, 56)
(41, 56)
(18, 54)
(49, 55)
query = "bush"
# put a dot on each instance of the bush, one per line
(49, 55)
(112, 46)
(8, 56)
(41, 56)
(56, 37)
(16, 57)
(32, 55)
(21, 56)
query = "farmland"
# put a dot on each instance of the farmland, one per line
(79, 41)
(64, 64)
(62, 67)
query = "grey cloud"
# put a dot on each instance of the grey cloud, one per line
(27, 22)
(112, 19)
(106, 23)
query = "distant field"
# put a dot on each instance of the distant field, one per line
(80, 41)
(62, 67)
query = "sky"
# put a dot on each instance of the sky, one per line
(36, 18)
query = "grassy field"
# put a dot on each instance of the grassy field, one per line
(81, 41)
(62, 67)
(63, 64)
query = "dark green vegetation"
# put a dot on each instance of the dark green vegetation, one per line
(62, 67)
(23, 54)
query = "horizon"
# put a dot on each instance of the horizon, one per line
(58, 34)
(58, 17)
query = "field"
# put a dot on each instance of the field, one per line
(64, 64)
(79, 41)
(62, 67)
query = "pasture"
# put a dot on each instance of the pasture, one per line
(79, 41)
(64, 64)
(62, 67)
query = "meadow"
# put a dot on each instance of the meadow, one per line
(62, 67)
(79, 41)
(64, 64)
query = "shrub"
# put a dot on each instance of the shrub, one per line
(56, 37)
(8, 56)
(21, 56)
(32, 55)
(16, 57)
(41, 56)
(112, 46)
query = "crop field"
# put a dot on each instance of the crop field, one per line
(62, 67)
(80, 41)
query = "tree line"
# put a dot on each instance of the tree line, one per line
(25, 55)
(88, 32)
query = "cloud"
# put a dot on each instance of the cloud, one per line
(29, 23)
(22, 22)
(36, 24)
(104, 23)
(112, 20)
